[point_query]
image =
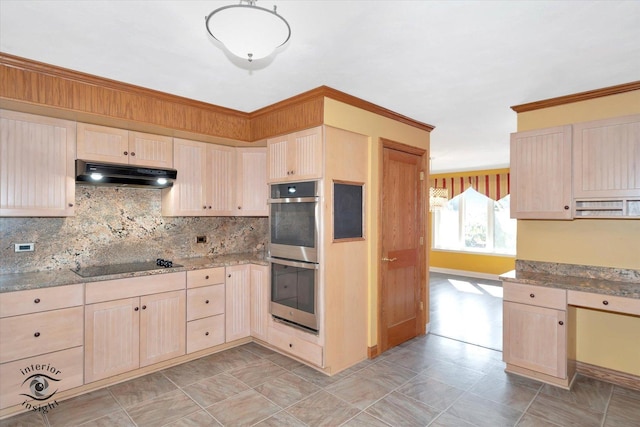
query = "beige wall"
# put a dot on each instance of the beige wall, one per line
(603, 339)
(343, 116)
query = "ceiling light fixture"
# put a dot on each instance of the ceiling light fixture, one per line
(248, 31)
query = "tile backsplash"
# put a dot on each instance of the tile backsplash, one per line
(118, 225)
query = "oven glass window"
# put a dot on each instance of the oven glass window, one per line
(293, 224)
(293, 287)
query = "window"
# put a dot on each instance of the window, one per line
(473, 222)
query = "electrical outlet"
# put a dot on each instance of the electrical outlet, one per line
(201, 239)
(25, 247)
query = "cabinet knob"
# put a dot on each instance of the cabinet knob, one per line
(206, 302)
(532, 295)
(37, 334)
(206, 334)
(206, 277)
(70, 205)
(566, 208)
(561, 323)
(605, 302)
(136, 309)
(290, 345)
(229, 276)
(209, 207)
(133, 154)
(204, 207)
(126, 153)
(37, 300)
(144, 307)
(239, 207)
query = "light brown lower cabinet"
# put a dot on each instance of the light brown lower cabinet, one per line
(535, 332)
(126, 334)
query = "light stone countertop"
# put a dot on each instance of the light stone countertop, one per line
(44, 279)
(598, 280)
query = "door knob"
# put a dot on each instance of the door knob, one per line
(389, 259)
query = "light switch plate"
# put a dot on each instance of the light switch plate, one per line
(25, 247)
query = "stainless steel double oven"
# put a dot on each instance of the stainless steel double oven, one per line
(294, 227)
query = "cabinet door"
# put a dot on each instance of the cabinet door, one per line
(36, 165)
(221, 167)
(305, 154)
(238, 300)
(103, 144)
(146, 149)
(277, 159)
(187, 196)
(162, 327)
(260, 297)
(541, 174)
(111, 338)
(251, 182)
(606, 158)
(535, 338)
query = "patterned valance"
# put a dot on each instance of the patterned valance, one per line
(494, 186)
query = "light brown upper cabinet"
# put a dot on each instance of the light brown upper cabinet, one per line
(541, 174)
(606, 158)
(296, 156)
(106, 144)
(216, 180)
(36, 165)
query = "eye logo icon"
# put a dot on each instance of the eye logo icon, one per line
(39, 387)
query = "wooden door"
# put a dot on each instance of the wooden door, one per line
(36, 165)
(260, 297)
(238, 301)
(221, 175)
(162, 327)
(541, 174)
(535, 338)
(251, 182)
(111, 342)
(146, 149)
(401, 296)
(103, 144)
(187, 196)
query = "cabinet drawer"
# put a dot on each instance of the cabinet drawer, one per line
(36, 300)
(605, 302)
(64, 366)
(205, 277)
(205, 333)
(295, 346)
(39, 333)
(110, 290)
(535, 295)
(204, 302)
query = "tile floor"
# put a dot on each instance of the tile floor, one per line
(430, 380)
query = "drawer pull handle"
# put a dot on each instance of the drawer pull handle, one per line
(37, 334)
(206, 302)
(561, 323)
(206, 334)
(206, 277)
(136, 309)
(532, 295)
(37, 300)
(144, 307)
(605, 302)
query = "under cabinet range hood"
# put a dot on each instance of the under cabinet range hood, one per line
(98, 173)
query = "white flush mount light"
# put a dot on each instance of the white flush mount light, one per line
(162, 181)
(248, 31)
(96, 176)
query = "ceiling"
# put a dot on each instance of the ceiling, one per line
(457, 65)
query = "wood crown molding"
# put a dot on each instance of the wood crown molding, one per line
(576, 97)
(42, 84)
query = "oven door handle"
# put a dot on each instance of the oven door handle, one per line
(295, 200)
(299, 264)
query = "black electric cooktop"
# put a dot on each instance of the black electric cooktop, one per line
(106, 270)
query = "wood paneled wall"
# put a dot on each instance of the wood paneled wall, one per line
(31, 86)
